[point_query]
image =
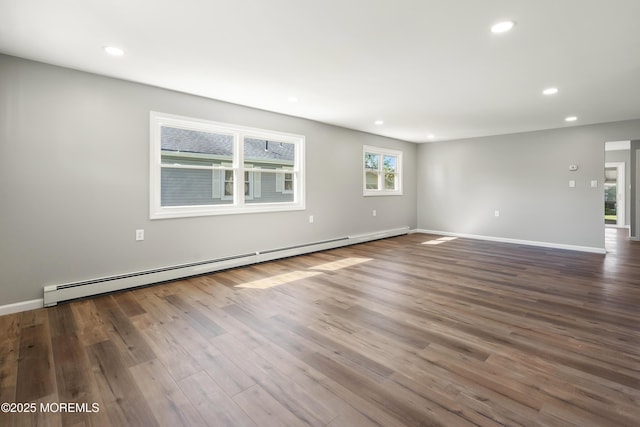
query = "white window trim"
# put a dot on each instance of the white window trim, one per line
(381, 190)
(157, 120)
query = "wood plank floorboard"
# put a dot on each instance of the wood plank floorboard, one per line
(415, 330)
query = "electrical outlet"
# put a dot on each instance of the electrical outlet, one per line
(374, 213)
(139, 235)
(496, 213)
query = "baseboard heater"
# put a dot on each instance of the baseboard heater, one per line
(53, 294)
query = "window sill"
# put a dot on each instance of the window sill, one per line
(381, 193)
(194, 211)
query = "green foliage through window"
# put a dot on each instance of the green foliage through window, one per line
(382, 171)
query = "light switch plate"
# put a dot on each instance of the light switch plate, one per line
(572, 183)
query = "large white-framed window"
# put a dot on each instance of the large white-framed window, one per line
(199, 167)
(382, 172)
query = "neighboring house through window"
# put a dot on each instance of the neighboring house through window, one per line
(196, 165)
(284, 181)
(382, 172)
(223, 188)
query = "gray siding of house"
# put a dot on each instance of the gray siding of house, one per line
(193, 187)
(187, 187)
(269, 194)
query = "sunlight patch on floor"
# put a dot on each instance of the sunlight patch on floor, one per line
(343, 263)
(281, 279)
(439, 241)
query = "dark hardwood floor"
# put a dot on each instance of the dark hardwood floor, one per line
(414, 330)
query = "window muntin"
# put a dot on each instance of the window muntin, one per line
(382, 172)
(195, 164)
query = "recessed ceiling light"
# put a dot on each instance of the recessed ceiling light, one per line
(114, 50)
(571, 119)
(550, 91)
(292, 99)
(502, 27)
(378, 122)
(431, 136)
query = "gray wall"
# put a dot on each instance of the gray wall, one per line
(74, 182)
(623, 156)
(525, 176)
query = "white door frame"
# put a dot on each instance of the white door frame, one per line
(621, 190)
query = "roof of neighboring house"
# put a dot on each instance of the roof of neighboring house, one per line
(193, 141)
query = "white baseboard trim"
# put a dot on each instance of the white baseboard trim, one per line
(518, 241)
(53, 294)
(17, 307)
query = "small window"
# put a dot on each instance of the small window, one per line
(382, 172)
(205, 168)
(226, 186)
(288, 183)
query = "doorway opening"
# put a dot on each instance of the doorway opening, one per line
(617, 196)
(614, 194)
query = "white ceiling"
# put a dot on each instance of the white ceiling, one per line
(423, 66)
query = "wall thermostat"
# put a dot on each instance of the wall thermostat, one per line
(573, 167)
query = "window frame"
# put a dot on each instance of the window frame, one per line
(238, 133)
(381, 152)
